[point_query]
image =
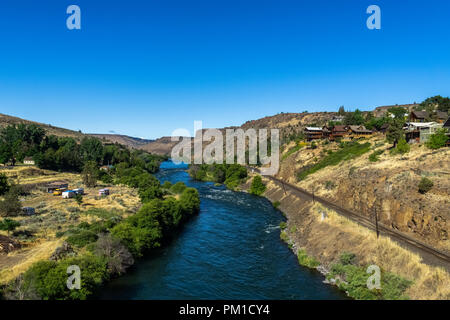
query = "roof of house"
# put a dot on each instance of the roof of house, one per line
(441, 115)
(421, 124)
(420, 114)
(57, 183)
(447, 123)
(313, 129)
(340, 128)
(359, 129)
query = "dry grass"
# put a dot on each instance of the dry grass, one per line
(23, 259)
(428, 282)
(54, 214)
(389, 186)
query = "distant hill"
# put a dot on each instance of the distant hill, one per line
(161, 146)
(290, 124)
(131, 142)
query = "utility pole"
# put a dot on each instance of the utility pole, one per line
(284, 188)
(376, 223)
(314, 199)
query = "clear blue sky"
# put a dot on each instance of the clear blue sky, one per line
(145, 68)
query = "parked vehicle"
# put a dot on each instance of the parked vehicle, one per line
(68, 194)
(79, 191)
(59, 192)
(28, 211)
(103, 192)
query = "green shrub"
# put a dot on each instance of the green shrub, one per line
(330, 185)
(374, 156)
(292, 150)
(355, 277)
(9, 225)
(276, 204)
(166, 185)
(284, 236)
(82, 238)
(347, 258)
(349, 150)
(48, 279)
(401, 148)
(437, 140)
(257, 187)
(425, 185)
(283, 225)
(306, 261)
(178, 187)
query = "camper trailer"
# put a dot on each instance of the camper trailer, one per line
(103, 192)
(68, 194)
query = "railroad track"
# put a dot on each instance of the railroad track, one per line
(421, 248)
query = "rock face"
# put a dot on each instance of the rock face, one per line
(387, 187)
(7, 245)
(62, 252)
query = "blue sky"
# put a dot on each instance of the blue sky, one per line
(146, 68)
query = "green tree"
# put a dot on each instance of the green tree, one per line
(10, 206)
(436, 102)
(190, 201)
(118, 258)
(395, 132)
(79, 199)
(341, 111)
(90, 174)
(398, 112)
(92, 149)
(49, 278)
(402, 147)
(9, 225)
(149, 193)
(354, 118)
(4, 185)
(257, 187)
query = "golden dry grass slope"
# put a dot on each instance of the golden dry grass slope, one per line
(55, 215)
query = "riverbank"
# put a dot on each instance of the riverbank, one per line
(102, 239)
(324, 236)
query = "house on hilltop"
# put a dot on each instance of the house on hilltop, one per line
(358, 131)
(29, 161)
(313, 133)
(339, 131)
(418, 116)
(420, 131)
(441, 116)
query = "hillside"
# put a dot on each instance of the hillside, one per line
(388, 187)
(6, 120)
(131, 142)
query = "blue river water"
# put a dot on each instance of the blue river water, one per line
(231, 250)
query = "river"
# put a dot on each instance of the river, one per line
(231, 250)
